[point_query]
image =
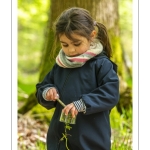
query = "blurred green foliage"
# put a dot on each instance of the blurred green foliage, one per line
(125, 23)
(121, 125)
(32, 19)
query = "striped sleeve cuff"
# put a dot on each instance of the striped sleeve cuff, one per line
(80, 106)
(44, 93)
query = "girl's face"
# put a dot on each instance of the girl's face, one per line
(76, 47)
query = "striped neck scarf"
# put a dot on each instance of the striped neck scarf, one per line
(78, 61)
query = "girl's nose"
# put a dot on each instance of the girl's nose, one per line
(71, 49)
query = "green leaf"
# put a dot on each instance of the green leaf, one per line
(68, 127)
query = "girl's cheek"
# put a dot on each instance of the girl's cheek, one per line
(64, 50)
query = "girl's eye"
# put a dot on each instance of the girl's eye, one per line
(65, 45)
(78, 44)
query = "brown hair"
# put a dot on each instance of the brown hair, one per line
(79, 21)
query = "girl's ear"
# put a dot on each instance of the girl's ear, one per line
(93, 34)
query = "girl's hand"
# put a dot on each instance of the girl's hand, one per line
(52, 94)
(70, 108)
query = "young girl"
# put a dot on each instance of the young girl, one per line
(85, 80)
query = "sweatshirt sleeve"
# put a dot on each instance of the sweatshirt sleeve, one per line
(40, 87)
(106, 95)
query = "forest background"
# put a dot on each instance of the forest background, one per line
(33, 120)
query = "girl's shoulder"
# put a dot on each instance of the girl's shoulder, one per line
(102, 58)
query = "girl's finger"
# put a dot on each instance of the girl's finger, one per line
(67, 108)
(73, 112)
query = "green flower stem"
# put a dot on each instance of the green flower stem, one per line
(60, 102)
(65, 135)
(67, 127)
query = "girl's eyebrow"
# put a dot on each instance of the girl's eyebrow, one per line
(63, 42)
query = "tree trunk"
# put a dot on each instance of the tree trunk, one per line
(104, 11)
